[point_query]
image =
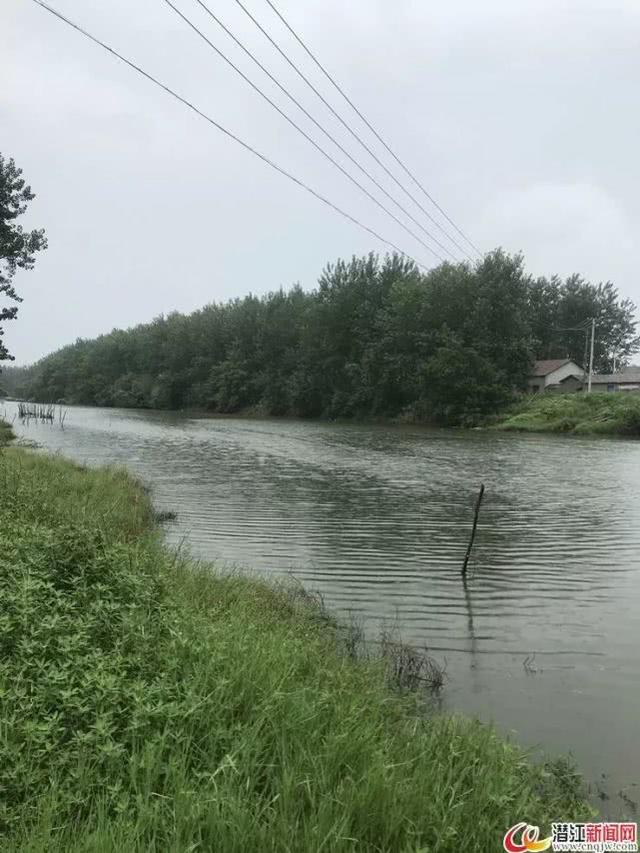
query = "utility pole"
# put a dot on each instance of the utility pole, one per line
(593, 334)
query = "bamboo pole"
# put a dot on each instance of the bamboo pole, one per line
(473, 530)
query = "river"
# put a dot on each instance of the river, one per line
(546, 641)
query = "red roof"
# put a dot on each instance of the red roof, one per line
(543, 368)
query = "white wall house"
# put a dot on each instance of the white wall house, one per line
(556, 374)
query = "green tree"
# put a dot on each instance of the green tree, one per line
(376, 337)
(478, 347)
(17, 246)
(561, 312)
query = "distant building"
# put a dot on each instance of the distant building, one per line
(563, 376)
(626, 380)
(556, 374)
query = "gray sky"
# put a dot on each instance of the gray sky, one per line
(521, 117)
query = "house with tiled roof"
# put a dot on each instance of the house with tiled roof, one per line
(556, 374)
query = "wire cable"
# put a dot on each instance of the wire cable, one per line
(371, 128)
(291, 97)
(310, 139)
(347, 126)
(582, 327)
(224, 130)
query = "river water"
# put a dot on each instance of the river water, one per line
(377, 519)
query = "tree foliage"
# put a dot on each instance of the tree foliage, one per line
(17, 246)
(560, 315)
(375, 338)
(15, 380)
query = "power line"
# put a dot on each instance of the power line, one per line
(291, 97)
(224, 130)
(582, 327)
(371, 128)
(310, 139)
(348, 127)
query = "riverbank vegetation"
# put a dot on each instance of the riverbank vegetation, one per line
(6, 433)
(148, 704)
(376, 338)
(604, 414)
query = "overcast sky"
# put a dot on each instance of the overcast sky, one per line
(521, 118)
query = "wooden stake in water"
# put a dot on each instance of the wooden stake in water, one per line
(473, 530)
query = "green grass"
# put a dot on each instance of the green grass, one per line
(149, 704)
(6, 434)
(606, 414)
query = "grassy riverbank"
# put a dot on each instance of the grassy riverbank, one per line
(605, 414)
(6, 434)
(147, 704)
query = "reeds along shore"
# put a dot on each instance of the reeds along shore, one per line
(149, 703)
(45, 412)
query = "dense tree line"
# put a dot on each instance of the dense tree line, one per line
(375, 338)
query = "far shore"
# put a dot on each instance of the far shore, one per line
(598, 414)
